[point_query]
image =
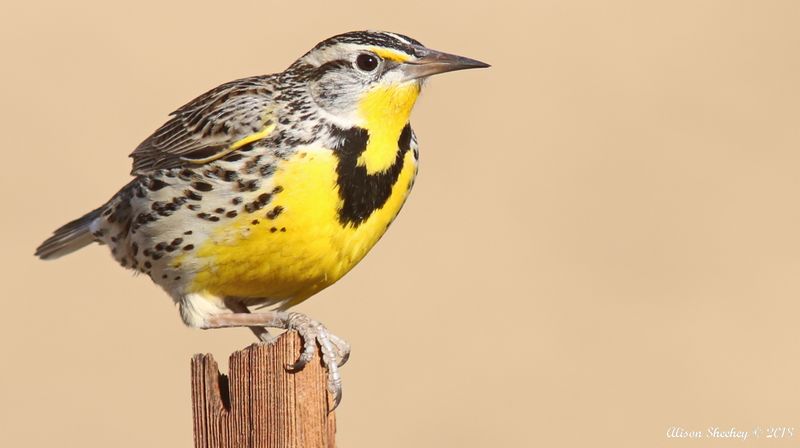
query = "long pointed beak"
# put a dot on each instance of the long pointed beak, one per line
(433, 62)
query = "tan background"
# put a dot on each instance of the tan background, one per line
(603, 241)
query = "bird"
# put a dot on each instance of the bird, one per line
(265, 190)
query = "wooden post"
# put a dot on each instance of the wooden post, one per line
(261, 404)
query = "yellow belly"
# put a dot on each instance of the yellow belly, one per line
(305, 248)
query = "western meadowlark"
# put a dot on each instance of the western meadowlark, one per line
(266, 190)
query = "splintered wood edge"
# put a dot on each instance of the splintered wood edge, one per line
(279, 406)
(207, 377)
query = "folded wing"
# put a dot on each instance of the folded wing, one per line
(210, 127)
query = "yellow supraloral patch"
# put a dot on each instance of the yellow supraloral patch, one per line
(389, 54)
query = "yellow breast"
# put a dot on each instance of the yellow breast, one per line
(305, 248)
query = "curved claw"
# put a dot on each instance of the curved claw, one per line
(305, 356)
(305, 328)
(337, 398)
(342, 349)
(329, 359)
(344, 359)
(334, 351)
(297, 365)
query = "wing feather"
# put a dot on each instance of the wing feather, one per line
(210, 126)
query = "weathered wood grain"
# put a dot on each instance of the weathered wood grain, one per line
(260, 403)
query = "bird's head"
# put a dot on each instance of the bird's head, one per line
(364, 76)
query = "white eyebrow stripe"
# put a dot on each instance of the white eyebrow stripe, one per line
(401, 39)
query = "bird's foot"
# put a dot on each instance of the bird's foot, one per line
(335, 351)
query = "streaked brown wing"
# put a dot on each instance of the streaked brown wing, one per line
(209, 126)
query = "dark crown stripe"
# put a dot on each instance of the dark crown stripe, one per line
(376, 38)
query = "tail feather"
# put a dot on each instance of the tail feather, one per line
(69, 237)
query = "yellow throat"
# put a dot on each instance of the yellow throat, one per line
(385, 111)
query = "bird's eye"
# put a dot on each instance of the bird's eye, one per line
(367, 62)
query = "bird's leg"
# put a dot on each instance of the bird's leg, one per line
(261, 332)
(335, 351)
